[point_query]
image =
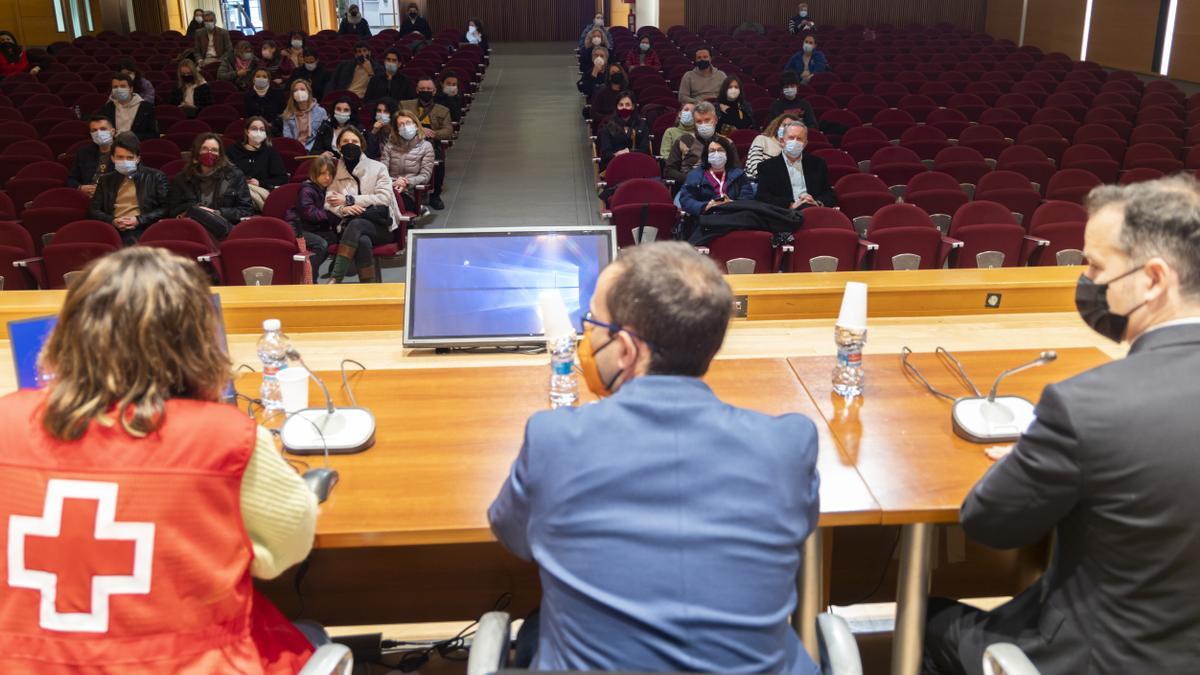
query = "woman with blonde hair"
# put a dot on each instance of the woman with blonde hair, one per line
(303, 115)
(768, 144)
(191, 92)
(408, 156)
(189, 497)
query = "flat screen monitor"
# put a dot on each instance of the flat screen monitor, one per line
(28, 336)
(469, 287)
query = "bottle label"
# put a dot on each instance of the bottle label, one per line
(270, 371)
(850, 358)
(563, 367)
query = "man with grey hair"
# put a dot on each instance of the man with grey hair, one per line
(793, 179)
(686, 152)
(668, 525)
(1111, 465)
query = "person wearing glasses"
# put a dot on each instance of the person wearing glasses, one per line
(667, 524)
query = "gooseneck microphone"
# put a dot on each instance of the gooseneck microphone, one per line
(329, 430)
(295, 356)
(1042, 359)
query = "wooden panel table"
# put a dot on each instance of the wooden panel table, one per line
(446, 438)
(900, 438)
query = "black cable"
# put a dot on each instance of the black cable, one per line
(451, 649)
(883, 575)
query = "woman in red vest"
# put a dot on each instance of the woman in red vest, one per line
(136, 507)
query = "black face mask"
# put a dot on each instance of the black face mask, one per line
(702, 64)
(412, 15)
(360, 59)
(188, 78)
(1091, 299)
(425, 96)
(351, 153)
(616, 78)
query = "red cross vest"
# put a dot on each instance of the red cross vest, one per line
(129, 555)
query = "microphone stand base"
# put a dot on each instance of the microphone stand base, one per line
(1001, 421)
(345, 431)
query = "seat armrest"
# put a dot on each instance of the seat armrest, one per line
(491, 643)
(702, 250)
(949, 247)
(1032, 248)
(839, 651)
(1008, 659)
(866, 253)
(606, 215)
(26, 262)
(329, 659)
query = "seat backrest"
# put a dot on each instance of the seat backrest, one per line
(895, 155)
(280, 200)
(751, 244)
(824, 217)
(87, 232)
(177, 229)
(981, 132)
(12, 235)
(859, 182)
(1002, 180)
(863, 134)
(631, 165)
(930, 180)
(640, 190)
(899, 215)
(1056, 211)
(62, 197)
(982, 212)
(958, 154)
(263, 227)
(1021, 153)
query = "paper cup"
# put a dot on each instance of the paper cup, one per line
(293, 387)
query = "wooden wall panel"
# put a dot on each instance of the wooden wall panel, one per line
(515, 20)
(1056, 25)
(964, 13)
(670, 13)
(1004, 19)
(283, 17)
(152, 16)
(1122, 34)
(1185, 53)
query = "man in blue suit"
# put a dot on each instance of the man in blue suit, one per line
(667, 525)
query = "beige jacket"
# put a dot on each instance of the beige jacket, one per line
(373, 186)
(412, 160)
(439, 118)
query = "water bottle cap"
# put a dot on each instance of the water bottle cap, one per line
(272, 324)
(556, 322)
(854, 306)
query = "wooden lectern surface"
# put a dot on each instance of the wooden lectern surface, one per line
(446, 438)
(900, 437)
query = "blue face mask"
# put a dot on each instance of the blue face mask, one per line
(125, 167)
(121, 95)
(793, 148)
(685, 118)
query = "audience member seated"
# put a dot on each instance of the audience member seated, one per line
(204, 500)
(355, 74)
(642, 55)
(768, 144)
(794, 179)
(303, 116)
(210, 190)
(354, 23)
(274, 62)
(702, 82)
(264, 100)
(437, 128)
(604, 99)
(595, 77)
(688, 150)
(345, 114)
(294, 51)
(238, 66)
(475, 35)
(1107, 467)
(196, 24)
(626, 131)
(132, 197)
(451, 95)
(408, 156)
(381, 128)
(141, 85)
(733, 110)
(660, 467)
(390, 82)
(596, 24)
(309, 217)
(789, 86)
(802, 22)
(594, 42)
(191, 91)
(415, 23)
(715, 181)
(258, 161)
(808, 61)
(93, 160)
(212, 43)
(314, 71)
(361, 195)
(683, 125)
(127, 111)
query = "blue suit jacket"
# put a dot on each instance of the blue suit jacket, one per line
(668, 528)
(818, 64)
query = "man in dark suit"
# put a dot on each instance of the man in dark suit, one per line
(793, 179)
(668, 526)
(415, 23)
(1111, 465)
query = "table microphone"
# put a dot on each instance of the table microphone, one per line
(997, 419)
(330, 430)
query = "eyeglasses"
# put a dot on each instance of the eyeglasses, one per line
(614, 328)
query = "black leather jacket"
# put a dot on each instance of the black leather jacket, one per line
(151, 196)
(232, 195)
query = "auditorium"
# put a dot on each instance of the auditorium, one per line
(842, 337)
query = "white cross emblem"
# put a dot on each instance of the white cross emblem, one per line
(103, 586)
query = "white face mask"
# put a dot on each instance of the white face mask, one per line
(598, 21)
(382, 117)
(596, 42)
(102, 137)
(790, 92)
(310, 66)
(408, 132)
(716, 160)
(599, 60)
(804, 14)
(809, 47)
(341, 118)
(793, 148)
(706, 130)
(257, 136)
(450, 90)
(297, 44)
(685, 118)
(301, 95)
(125, 167)
(734, 94)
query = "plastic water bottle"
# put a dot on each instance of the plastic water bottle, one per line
(560, 345)
(850, 334)
(848, 374)
(272, 351)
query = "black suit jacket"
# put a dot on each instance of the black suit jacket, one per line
(398, 88)
(1112, 465)
(418, 25)
(87, 166)
(775, 187)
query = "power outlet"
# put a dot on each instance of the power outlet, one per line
(741, 306)
(993, 301)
